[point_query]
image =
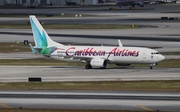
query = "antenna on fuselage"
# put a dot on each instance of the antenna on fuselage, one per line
(120, 44)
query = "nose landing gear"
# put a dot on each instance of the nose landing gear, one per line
(151, 65)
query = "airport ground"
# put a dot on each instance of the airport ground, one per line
(162, 35)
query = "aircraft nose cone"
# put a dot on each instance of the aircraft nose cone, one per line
(162, 57)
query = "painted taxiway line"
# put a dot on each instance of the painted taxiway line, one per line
(145, 108)
(4, 105)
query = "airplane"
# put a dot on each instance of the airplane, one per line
(93, 56)
(131, 2)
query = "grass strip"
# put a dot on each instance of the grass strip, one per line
(170, 63)
(63, 110)
(151, 85)
(67, 26)
(37, 62)
(170, 53)
(50, 62)
(14, 47)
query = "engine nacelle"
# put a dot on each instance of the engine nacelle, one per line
(141, 4)
(99, 62)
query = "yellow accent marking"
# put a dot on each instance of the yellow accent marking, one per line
(118, 79)
(4, 105)
(145, 108)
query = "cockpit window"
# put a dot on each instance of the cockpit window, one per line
(155, 53)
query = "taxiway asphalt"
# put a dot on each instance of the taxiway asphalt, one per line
(165, 35)
(98, 10)
(111, 100)
(68, 73)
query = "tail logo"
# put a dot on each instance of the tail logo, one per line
(40, 38)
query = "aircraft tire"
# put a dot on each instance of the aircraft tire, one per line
(88, 67)
(103, 67)
(150, 67)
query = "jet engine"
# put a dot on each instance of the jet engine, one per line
(99, 62)
(141, 4)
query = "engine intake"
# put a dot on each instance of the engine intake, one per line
(141, 4)
(99, 62)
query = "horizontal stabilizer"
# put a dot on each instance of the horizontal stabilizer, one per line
(33, 50)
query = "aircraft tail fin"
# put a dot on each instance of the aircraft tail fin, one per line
(41, 38)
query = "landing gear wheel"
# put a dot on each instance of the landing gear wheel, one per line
(132, 7)
(150, 67)
(88, 67)
(102, 67)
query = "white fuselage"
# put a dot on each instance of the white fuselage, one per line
(118, 55)
(94, 56)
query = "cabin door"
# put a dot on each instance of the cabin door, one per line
(145, 57)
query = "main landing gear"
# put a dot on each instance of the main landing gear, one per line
(88, 67)
(132, 7)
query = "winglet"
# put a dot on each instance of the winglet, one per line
(120, 44)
